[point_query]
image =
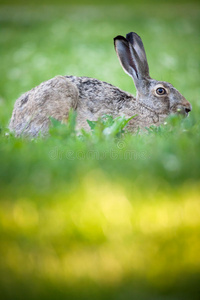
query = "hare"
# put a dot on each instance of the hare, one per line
(92, 98)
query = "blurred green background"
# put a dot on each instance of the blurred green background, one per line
(95, 216)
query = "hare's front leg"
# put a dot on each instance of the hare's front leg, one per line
(52, 98)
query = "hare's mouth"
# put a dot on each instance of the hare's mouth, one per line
(181, 110)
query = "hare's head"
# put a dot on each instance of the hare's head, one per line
(158, 96)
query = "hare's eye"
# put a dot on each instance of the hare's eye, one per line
(160, 91)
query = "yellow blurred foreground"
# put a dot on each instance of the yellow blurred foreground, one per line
(101, 234)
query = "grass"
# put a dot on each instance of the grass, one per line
(100, 216)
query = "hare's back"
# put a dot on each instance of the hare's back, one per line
(97, 90)
(97, 98)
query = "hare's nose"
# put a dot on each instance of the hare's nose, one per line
(188, 108)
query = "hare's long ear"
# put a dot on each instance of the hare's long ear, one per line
(136, 42)
(131, 54)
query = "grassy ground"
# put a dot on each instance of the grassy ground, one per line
(95, 216)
